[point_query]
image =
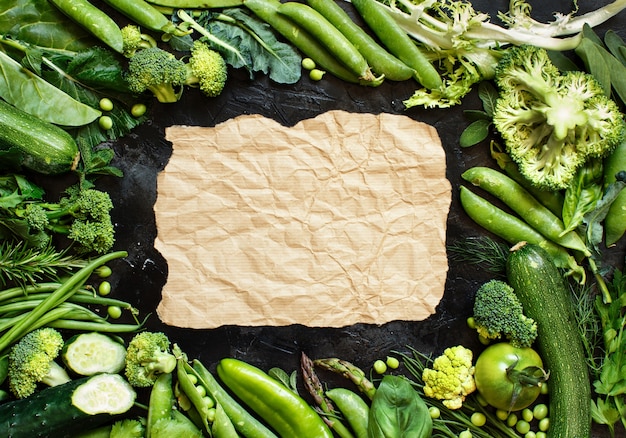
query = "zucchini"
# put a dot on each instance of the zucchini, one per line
(44, 147)
(545, 298)
(59, 411)
(87, 354)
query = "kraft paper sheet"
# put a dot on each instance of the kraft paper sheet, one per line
(340, 219)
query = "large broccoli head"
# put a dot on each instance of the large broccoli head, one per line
(499, 313)
(552, 123)
(32, 361)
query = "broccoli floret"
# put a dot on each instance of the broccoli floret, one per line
(83, 215)
(499, 313)
(135, 40)
(552, 123)
(147, 356)
(158, 71)
(207, 69)
(450, 377)
(32, 361)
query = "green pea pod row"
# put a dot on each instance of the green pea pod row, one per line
(380, 60)
(267, 10)
(329, 36)
(398, 42)
(284, 410)
(525, 205)
(514, 230)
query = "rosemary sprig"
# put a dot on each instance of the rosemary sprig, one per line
(21, 264)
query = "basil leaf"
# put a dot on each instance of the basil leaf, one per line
(398, 410)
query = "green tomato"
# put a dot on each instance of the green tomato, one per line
(495, 376)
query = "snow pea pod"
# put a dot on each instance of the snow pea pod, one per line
(514, 230)
(285, 411)
(525, 205)
(398, 42)
(352, 407)
(381, 61)
(330, 37)
(94, 20)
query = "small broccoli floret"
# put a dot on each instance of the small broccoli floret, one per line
(158, 71)
(32, 361)
(499, 313)
(36, 217)
(207, 69)
(147, 356)
(135, 40)
(552, 123)
(451, 377)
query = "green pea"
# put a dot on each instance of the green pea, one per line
(104, 288)
(138, 109)
(380, 367)
(478, 419)
(392, 362)
(106, 104)
(308, 64)
(114, 312)
(434, 412)
(105, 122)
(316, 74)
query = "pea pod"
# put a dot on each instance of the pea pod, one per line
(187, 385)
(329, 36)
(514, 230)
(146, 15)
(267, 10)
(161, 401)
(398, 42)
(243, 421)
(93, 20)
(381, 61)
(525, 205)
(354, 409)
(615, 220)
(285, 411)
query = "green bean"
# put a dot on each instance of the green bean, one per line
(267, 10)
(398, 42)
(381, 61)
(330, 37)
(514, 230)
(354, 409)
(145, 15)
(93, 20)
(525, 205)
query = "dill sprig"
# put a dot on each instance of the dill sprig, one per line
(21, 264)
(483, 251)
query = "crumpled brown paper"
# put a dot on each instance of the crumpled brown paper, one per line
(338, 220)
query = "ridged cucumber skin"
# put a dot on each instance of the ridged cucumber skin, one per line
(47, 413)
(45, 148)
(540, 287)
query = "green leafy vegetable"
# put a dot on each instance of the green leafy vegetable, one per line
(398, 410)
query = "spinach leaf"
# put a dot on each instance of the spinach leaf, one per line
(397, 410)
(39, 22)
(30, 93)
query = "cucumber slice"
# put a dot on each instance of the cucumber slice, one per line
(104, 394)
(87, 354)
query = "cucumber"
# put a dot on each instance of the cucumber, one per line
(59, 411)
(540, 287)
(44, 147)
(87, 354)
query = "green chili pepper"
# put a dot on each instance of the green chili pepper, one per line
(288, 413)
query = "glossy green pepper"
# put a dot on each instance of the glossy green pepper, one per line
(285, 411)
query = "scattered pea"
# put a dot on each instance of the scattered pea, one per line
(106, 104)
(544, 389)
(511, 420)
(114, 312)
(105, 122)
(380, 367)
(478, 419)
(308, 64)
(465, 434)
(104, 288)
(483, 340)
(540, 411)
(544, 424)
(316, 74)
(502, 415)
(527, 415)
(392, 362)
(530, 434)
(540, 435)
(471, 323)
(138, 109)
(104, 271)
(522, 427)
(434, 412)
